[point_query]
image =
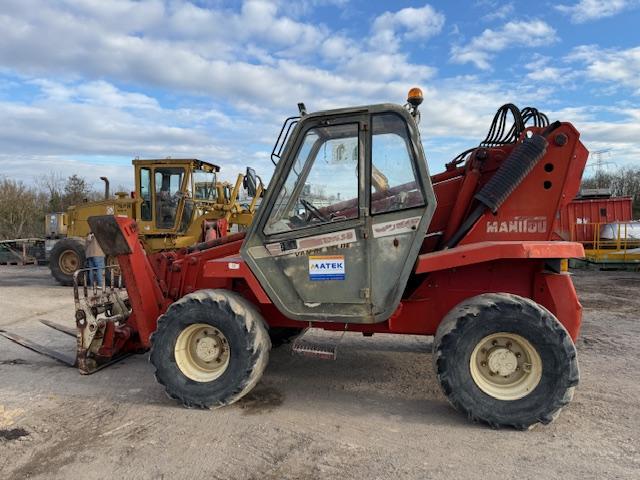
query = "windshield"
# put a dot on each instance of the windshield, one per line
(204, 185)
(322, 185)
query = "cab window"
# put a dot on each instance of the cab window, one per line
(167, 182)
(204, 185)
(145, 194)
(322, 186)
(393, 176)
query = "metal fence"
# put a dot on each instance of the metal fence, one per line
(609, 242)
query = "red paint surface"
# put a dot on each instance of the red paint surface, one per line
(578, 220)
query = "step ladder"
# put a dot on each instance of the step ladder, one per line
(319, 343)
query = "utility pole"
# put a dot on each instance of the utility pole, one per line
(599, 163)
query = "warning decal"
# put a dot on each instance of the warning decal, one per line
(326, 267)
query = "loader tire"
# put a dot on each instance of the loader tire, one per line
(505, 361)
(67, 256)
(210, 348)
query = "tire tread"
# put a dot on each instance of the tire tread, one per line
(242, 312)
(451, 329)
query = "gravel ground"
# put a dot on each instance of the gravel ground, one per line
(374, 413)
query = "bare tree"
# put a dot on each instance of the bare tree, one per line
(23, 207)
(623, 182)
(22, 210)
(52, 184)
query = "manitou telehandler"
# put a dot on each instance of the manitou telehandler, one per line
(349, 238)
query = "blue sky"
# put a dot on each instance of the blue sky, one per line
(87, 85)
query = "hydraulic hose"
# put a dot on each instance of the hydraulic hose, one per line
(511, 173)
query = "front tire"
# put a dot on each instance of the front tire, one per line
(506, 361)
(67, 256)
(210, 348)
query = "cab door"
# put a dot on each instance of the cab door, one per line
(170, 184)
(401, 206)
(308, 247)
(145, 203)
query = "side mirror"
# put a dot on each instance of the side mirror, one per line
(250, 182)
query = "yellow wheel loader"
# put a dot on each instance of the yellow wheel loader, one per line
(176, 203)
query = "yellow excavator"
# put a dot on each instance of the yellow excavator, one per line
(176, 203)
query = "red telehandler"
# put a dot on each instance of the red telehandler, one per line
(353, 234)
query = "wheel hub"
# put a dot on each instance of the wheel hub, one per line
(68, 262)
(502, 361)
(202, 352)
(505, 366)
(207, 349)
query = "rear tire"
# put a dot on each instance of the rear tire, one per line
(210, 348)
(506, 361)
(67, 256)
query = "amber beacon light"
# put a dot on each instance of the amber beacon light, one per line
(415, 96)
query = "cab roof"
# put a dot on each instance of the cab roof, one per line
(193, 162)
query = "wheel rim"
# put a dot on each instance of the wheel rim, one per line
(202, 352)
(505, 366)
(68, 262)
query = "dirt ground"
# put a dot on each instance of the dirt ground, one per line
(374, 413)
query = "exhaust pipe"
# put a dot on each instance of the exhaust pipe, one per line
(106, 187)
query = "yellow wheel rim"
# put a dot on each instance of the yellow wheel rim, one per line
(505, 366)
(68, 261)
(202, 352)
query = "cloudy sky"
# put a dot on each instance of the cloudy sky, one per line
(87, 85)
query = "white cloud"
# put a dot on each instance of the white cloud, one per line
(386, 67)
(589, 10)
(548, 70)
(613, 127)
(498, 11)
(338, 47)
(305, 7)
(96, 93)
(381, 57)
(121, 15)
(481, 49)
(96, 118)
(617, 67)
(409, 24)
(256, 54)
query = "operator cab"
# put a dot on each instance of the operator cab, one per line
(170, 190)
(344, 216)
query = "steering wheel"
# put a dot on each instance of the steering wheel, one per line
(313, 211)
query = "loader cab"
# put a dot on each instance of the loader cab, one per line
(169, 192)
(344, 216)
